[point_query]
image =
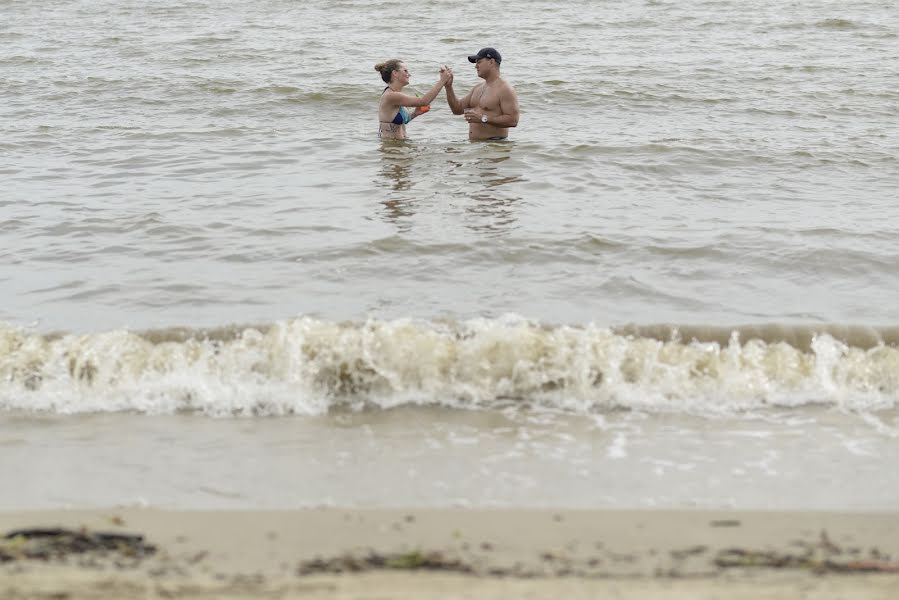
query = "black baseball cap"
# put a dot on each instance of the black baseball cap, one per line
(486, 53)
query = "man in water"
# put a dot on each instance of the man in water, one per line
(490, 108)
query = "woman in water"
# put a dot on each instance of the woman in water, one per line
(392, 113)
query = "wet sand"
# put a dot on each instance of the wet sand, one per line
(457, 553)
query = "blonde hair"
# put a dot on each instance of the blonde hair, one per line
(387, 68)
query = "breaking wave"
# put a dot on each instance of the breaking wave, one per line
(307, 366)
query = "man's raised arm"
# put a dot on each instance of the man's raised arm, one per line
(456, 105)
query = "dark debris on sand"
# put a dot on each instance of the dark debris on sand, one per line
(411, 561)
(821, 557)
(58, 544)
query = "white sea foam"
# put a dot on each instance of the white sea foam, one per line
(309, 366)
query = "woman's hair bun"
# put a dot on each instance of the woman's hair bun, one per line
(387, 68)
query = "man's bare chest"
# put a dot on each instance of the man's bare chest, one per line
(486, 98)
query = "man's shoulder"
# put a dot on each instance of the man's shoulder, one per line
(505, 86)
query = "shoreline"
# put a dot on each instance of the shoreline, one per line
(482, 553)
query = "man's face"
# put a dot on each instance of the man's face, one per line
(483, 66)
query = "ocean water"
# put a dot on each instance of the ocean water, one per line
(675, 285)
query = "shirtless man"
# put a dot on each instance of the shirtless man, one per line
(490, 108)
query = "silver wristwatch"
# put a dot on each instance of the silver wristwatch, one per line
(483, 118)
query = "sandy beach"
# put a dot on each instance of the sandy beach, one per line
(454, 553)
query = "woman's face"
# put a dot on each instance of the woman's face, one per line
(401, 75)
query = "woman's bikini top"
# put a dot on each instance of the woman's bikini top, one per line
(402, 117)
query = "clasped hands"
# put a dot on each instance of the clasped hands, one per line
(472, 115)
(446, 75)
